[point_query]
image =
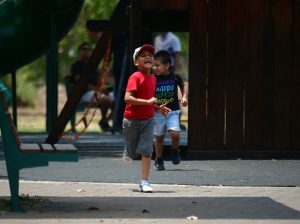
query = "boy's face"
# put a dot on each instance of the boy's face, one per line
(161, 68)
(144, 60)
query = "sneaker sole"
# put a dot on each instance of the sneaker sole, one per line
(145, 191)
(160, 169)
(156, 167)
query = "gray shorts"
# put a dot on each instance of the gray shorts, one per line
(138, 136)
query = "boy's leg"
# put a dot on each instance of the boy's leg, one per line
(175, 147)
(175, 139)
(145, 149)
(159, 161)
(174, 130)
(146, 162)
(104, 107)
(160, 129)
(159, 140)
(130, 134)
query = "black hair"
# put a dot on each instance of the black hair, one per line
(163, 56)
(83, 44)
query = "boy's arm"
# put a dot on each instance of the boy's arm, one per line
(162, 109)
(184, 100)
(131, 99)
(183, 90)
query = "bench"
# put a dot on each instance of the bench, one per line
(20, 155)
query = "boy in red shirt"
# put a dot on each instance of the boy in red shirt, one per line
(138, 122)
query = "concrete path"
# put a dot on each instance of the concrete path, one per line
(107, 167)
(100, 188)
(80, 202)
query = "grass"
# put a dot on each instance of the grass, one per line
(36, 121)
(26, 201)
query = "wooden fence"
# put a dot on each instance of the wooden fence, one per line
(244, 75)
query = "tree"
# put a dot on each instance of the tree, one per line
(32, 76)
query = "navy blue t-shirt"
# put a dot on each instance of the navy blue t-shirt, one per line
(166, 90)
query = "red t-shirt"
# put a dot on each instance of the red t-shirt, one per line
(143, 87)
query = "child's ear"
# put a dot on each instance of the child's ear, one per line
(168, 65)
(136, 62)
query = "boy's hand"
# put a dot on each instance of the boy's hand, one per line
(151, 101)
(184, 101)
(164, 110)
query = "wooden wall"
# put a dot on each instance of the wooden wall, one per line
(164, 4)
(244, 75)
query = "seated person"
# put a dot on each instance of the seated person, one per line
(106, 101)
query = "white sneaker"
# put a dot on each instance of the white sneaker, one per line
(145, 187)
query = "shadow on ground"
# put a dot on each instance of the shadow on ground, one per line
(144, 207)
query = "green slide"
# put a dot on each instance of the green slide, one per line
(26, 28)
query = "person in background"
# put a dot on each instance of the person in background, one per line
(106, 95)
(118, 49)
(168, 41)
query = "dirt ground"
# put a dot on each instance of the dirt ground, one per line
(34, 119)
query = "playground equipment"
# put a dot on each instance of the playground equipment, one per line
(29, 29)
(19, 155)
(92, 104)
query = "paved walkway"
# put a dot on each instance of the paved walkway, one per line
(100, 188)
(79, 202)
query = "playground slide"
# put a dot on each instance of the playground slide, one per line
(26, 28)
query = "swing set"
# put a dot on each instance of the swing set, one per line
(90, 107)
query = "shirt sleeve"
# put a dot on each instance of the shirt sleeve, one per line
(77, 68)
(132, 83)
(157, 43)
(179, 81)
(176, 44)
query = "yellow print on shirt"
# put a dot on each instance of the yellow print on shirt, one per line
(164, 95)
(165, 101)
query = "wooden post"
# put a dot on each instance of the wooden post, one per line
(235, 73)
(254, 77)
(197, 131)
(282, 97)
(135, 29)
(52, 76)
(296, 77)
(79, 90)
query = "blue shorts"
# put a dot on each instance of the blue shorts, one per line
(138, 136)
(166, 123)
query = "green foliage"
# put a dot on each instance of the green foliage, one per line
(184, 38)
(68, 46)
(32, 76)
(26, 201)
